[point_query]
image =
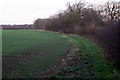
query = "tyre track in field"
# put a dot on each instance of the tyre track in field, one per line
(75, 65)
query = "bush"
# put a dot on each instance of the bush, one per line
(109, 39)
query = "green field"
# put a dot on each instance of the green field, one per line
(28, 54)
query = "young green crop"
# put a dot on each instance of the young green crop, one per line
(28, 53)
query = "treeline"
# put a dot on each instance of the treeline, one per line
(101, 22)
(80, 18)
(17, 27)
(72, 20)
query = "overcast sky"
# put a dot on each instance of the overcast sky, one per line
(26, 11)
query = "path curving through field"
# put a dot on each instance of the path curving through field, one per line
(29, 54)
(86, 61)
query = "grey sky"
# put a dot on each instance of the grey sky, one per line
(26, 11)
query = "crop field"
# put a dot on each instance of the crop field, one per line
(32, 54)
(29, 53)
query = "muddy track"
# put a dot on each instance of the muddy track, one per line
(74, 65)
(60, 63)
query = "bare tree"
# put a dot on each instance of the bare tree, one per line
(110, 11)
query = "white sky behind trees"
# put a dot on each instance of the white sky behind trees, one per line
(27, 11)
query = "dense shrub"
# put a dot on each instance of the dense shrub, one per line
(109, 39)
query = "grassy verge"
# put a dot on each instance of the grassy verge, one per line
(86, 62)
